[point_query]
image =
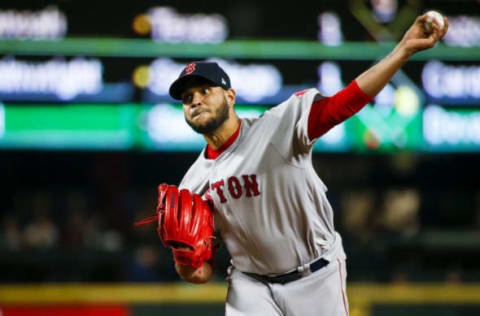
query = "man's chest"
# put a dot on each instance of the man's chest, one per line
(243, 177)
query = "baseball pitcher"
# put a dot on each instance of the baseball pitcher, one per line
(254, 186)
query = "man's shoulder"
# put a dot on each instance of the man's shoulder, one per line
(306, 95)
(196, 171)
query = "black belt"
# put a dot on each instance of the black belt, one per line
(291, 276)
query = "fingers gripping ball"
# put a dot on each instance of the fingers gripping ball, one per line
(431, 17)
(185, 224)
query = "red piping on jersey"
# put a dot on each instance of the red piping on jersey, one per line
(330, 111)
(341, 287)
(213, 154)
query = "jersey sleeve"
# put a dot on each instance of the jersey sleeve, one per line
(192, 178)
(307, 115)
(289, 123)
(330, 111)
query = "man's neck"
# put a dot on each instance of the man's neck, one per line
(216, 139)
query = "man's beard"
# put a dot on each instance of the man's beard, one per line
(221, 115)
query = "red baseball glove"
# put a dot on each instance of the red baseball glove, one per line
(185, 224)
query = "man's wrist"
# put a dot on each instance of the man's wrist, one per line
(194, 275)
(402, 52)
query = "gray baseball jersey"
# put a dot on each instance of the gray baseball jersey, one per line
(270, 206)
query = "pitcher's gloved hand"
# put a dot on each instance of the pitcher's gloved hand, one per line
(185, 224)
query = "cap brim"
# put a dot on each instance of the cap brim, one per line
(179, 85)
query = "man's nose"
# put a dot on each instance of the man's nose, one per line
(196, 98)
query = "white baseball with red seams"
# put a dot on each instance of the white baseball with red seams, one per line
(273, 215)
(434, 16)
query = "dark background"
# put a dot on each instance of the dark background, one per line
(67, 216)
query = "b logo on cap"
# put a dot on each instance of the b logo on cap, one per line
(190, 68)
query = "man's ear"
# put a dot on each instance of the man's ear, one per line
(230, 95)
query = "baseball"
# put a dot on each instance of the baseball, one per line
(431, 16)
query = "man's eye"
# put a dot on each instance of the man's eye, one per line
(187, 99)
(206, 90)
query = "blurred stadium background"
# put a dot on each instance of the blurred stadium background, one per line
(87, 132)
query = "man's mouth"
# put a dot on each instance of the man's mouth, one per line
(197, 113)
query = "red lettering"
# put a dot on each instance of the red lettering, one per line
(217, 186)
(234, 187)
(207, 195)
(251, 185)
